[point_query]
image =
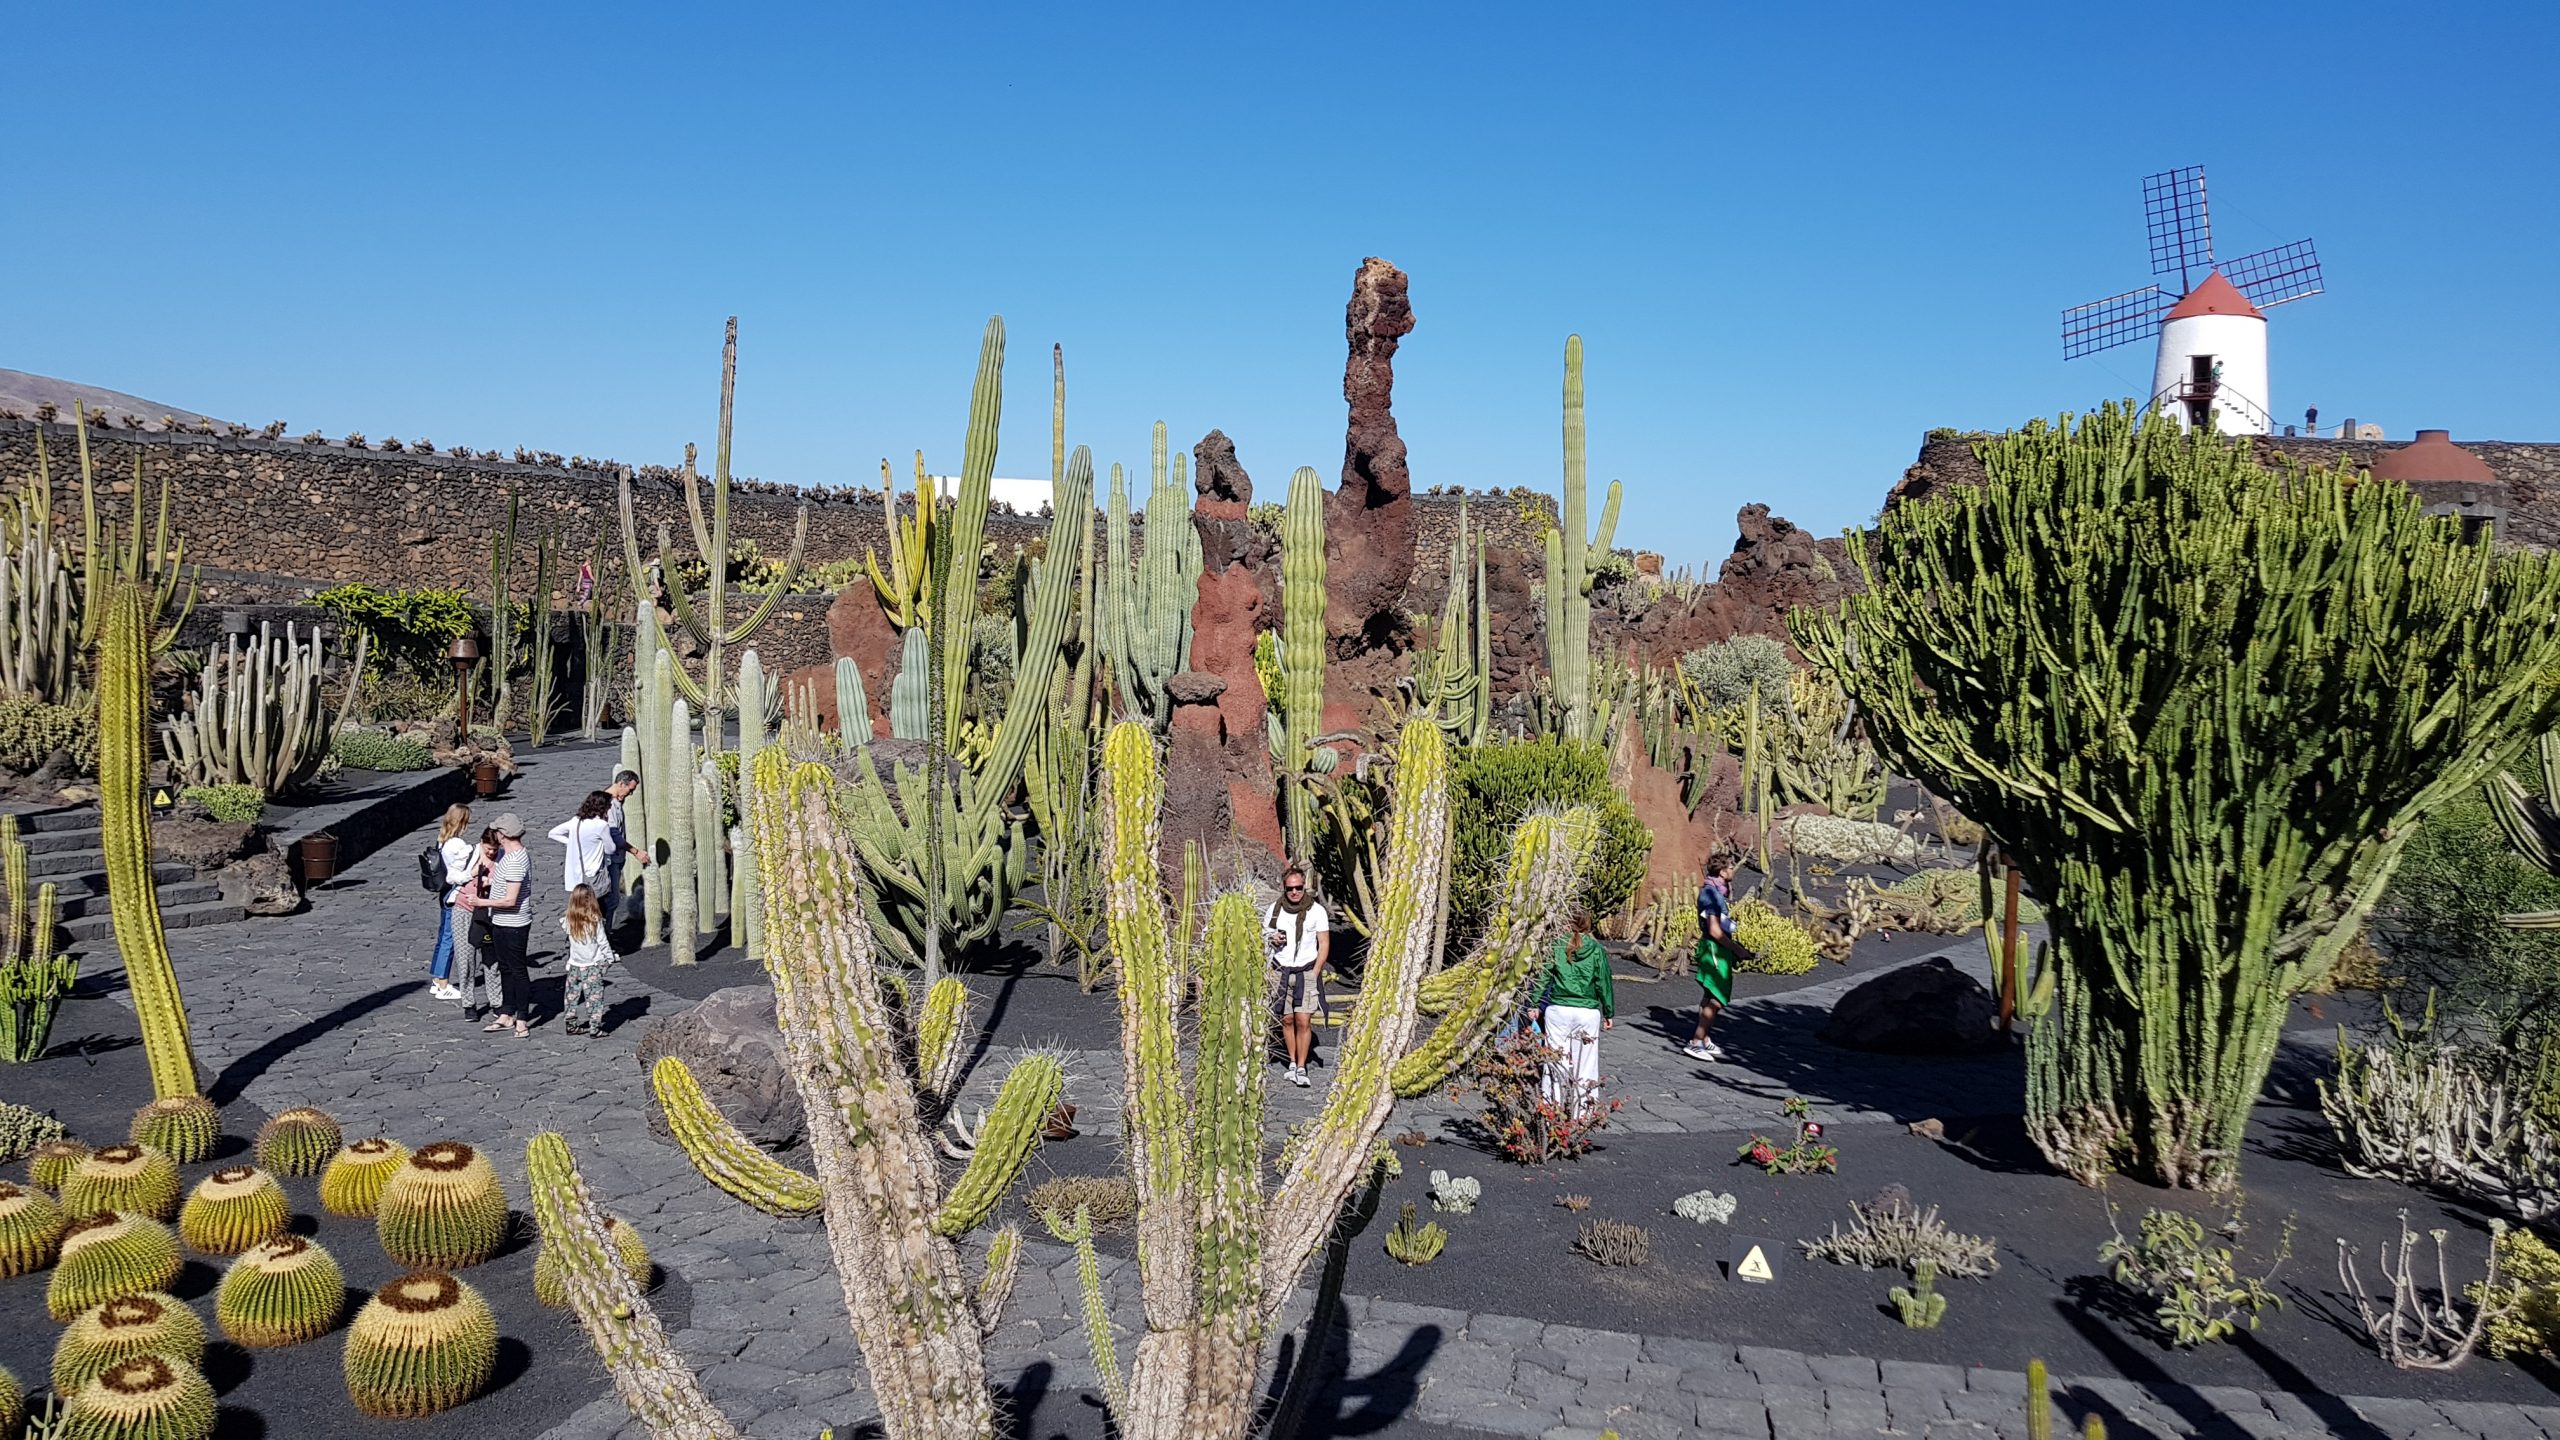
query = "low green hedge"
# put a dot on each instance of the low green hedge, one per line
(231, 804)
(374, 750)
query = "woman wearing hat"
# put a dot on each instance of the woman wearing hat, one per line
(510, 918)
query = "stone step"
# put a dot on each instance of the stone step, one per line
(80, 872)
(173, 894)
(101, 926)
(54, 820)
(47, 842)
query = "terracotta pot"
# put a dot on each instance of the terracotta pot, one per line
(484, 778)
(319, 854)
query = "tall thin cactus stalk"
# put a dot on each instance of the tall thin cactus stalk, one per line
(902, 588)
(160, 568)
(1571, 568)
(501, 658)
(707, 623)
(124, 825)
(33, 979)
(544, 697)
(601, 639)
(1302, 646)
(1147, 608)
(39, 600)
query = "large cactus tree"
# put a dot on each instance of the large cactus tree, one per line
(1572, 565)
(2202, 705)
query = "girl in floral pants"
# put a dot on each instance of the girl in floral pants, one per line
(589, 954)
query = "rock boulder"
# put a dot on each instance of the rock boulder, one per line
(262, 884)
(1931, 1008)
(729, 1041)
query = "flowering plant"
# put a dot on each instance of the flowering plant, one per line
(1512, 1075)
(1806, 1156)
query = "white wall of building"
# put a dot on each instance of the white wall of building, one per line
(2239, 344)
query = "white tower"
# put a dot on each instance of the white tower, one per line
(2213, 337)
(2213, 360)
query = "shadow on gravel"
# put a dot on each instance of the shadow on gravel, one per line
(237, 1076)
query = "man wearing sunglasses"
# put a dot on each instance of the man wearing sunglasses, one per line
(1299, 935)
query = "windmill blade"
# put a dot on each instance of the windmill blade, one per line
(2116, 320)
(2173, 212)
(2274, 276)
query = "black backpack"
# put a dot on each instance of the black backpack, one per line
(431, 867)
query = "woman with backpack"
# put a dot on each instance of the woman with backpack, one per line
(1581, 1001)
(1299, 936)
(444, 868)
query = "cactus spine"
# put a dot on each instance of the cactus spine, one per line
(708, 625)
(124, 822)
(2277, 593)
(1570, 567)
(1146, 610)
(31, 1227)
(283, 1291)
(33, 979)
(1301, 648)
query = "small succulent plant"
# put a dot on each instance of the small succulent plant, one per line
(299, 1141)
(185, 1127)
(426, 1342)
(1412, 1244)
(1705, 1207)
(1456, 1194)
(104, 1256)
(232, 1209)
(149, 1397)
(136, 1178)
(1614, 1242)
(551, 1287)
(151, 1323)
(442, 1209)
(1574, 1203)
(31, 1227)
(352, 1183)
(283, 1291)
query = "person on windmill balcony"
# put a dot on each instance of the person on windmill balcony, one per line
(1299, 935)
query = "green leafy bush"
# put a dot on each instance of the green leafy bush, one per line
(1725, 672)
(376, 750)
(1493, 786)
(1779, 945)
(230, 804)
(2529, 1279)
(2196, 1286)
(409, 627)
(32, 729)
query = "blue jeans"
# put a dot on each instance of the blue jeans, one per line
(442, 968)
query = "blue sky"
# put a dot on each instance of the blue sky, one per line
(1792, 241)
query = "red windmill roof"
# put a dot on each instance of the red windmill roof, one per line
(2216, 296)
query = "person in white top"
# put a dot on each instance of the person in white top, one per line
(461, 866)
(587, 843)
(1299, 935)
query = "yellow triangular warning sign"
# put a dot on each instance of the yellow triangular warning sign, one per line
(1755, 1266)
(160, 797)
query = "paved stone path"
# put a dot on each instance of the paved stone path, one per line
(327, 1007)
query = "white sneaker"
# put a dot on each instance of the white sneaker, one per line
(1696, 1051)
(1714, 1051)
(442, 991)
(1298, 1076)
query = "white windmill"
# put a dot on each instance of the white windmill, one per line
(2212, 366)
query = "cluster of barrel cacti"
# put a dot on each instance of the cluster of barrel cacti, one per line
(2327, 597)
(33, 978)
(1571, 568)
(1146, 607)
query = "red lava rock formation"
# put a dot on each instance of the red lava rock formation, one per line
(856, 626)
(1774, 568)
(1369, 521)
(1218, 783)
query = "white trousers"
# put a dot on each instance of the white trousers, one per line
(1573, 1072)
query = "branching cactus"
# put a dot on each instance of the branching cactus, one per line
(1570, 566)
(1218, 1254)
(707, 623)
(1146, 608)
(873, 1085)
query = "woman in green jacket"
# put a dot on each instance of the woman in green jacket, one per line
(1580, 1002)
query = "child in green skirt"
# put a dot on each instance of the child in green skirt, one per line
(1716, 953)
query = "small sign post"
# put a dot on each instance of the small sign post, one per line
(1754, 1261)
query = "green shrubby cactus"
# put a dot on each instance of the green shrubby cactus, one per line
(258, 716)
(107, 1255)
(352, 1183)
(184, 1127)
(424, 1343)
(33, 979)
(282, 1291)
(31, 1227)
(442, 1208)
(129, 1325)
(726, 1157)
(299, 1141)
(149, 1397)
(139, 1178)
(232, 1209)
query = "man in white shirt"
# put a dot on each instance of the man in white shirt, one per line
(1299, 935)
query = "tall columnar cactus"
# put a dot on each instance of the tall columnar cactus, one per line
(258, 717)
(853, 704)
(601, 639)
(677, 833)
(33, 979)
(159, 570)
(124, 824)
(543, 683)
(755, 703)
(891, 1216)
(707, 623)
(1146, 610)
(909, 712)
(501, 658)
(941, 850)
(39, 599)
(1301, 649)
(1451, 675)
(903, 588)
(2532, 823)
(710, 847)
(1218, 1254)
(1570, 568)
(2202, 706)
